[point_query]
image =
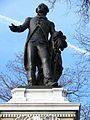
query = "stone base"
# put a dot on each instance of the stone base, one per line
(33, 95)
(39, 104)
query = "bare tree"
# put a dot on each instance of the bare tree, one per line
(14, 76)
(85, 112)
(16, 67)
(83, 6)
(75, 80)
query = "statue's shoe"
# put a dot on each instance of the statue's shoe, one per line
(53, 84)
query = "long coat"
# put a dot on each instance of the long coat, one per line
(32, 24)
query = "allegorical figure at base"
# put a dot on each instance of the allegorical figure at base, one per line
(42, 54)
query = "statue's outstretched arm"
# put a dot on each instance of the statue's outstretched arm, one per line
(22, 27)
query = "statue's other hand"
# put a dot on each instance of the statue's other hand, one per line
(13, 27)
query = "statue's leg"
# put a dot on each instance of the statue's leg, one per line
(40, 77)
(46, 63)
(31, 75)
(32, 64)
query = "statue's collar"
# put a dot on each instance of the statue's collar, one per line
(41, 17)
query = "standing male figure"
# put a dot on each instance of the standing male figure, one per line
(37, 45)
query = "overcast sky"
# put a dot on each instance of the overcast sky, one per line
(17, 10)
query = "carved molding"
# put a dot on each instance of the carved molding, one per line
(41, 115)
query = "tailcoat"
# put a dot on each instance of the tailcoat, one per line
(33, 24)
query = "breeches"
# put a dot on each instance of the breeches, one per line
(38, 55)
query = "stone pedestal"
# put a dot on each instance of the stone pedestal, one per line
(39, 104)
(33, 95)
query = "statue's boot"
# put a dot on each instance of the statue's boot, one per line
(49, 82)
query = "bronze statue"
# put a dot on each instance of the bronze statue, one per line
(40, 53)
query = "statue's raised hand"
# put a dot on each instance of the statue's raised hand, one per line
(13, 27)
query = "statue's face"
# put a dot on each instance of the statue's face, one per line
(42, 8)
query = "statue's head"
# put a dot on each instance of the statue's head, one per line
(42, 8)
